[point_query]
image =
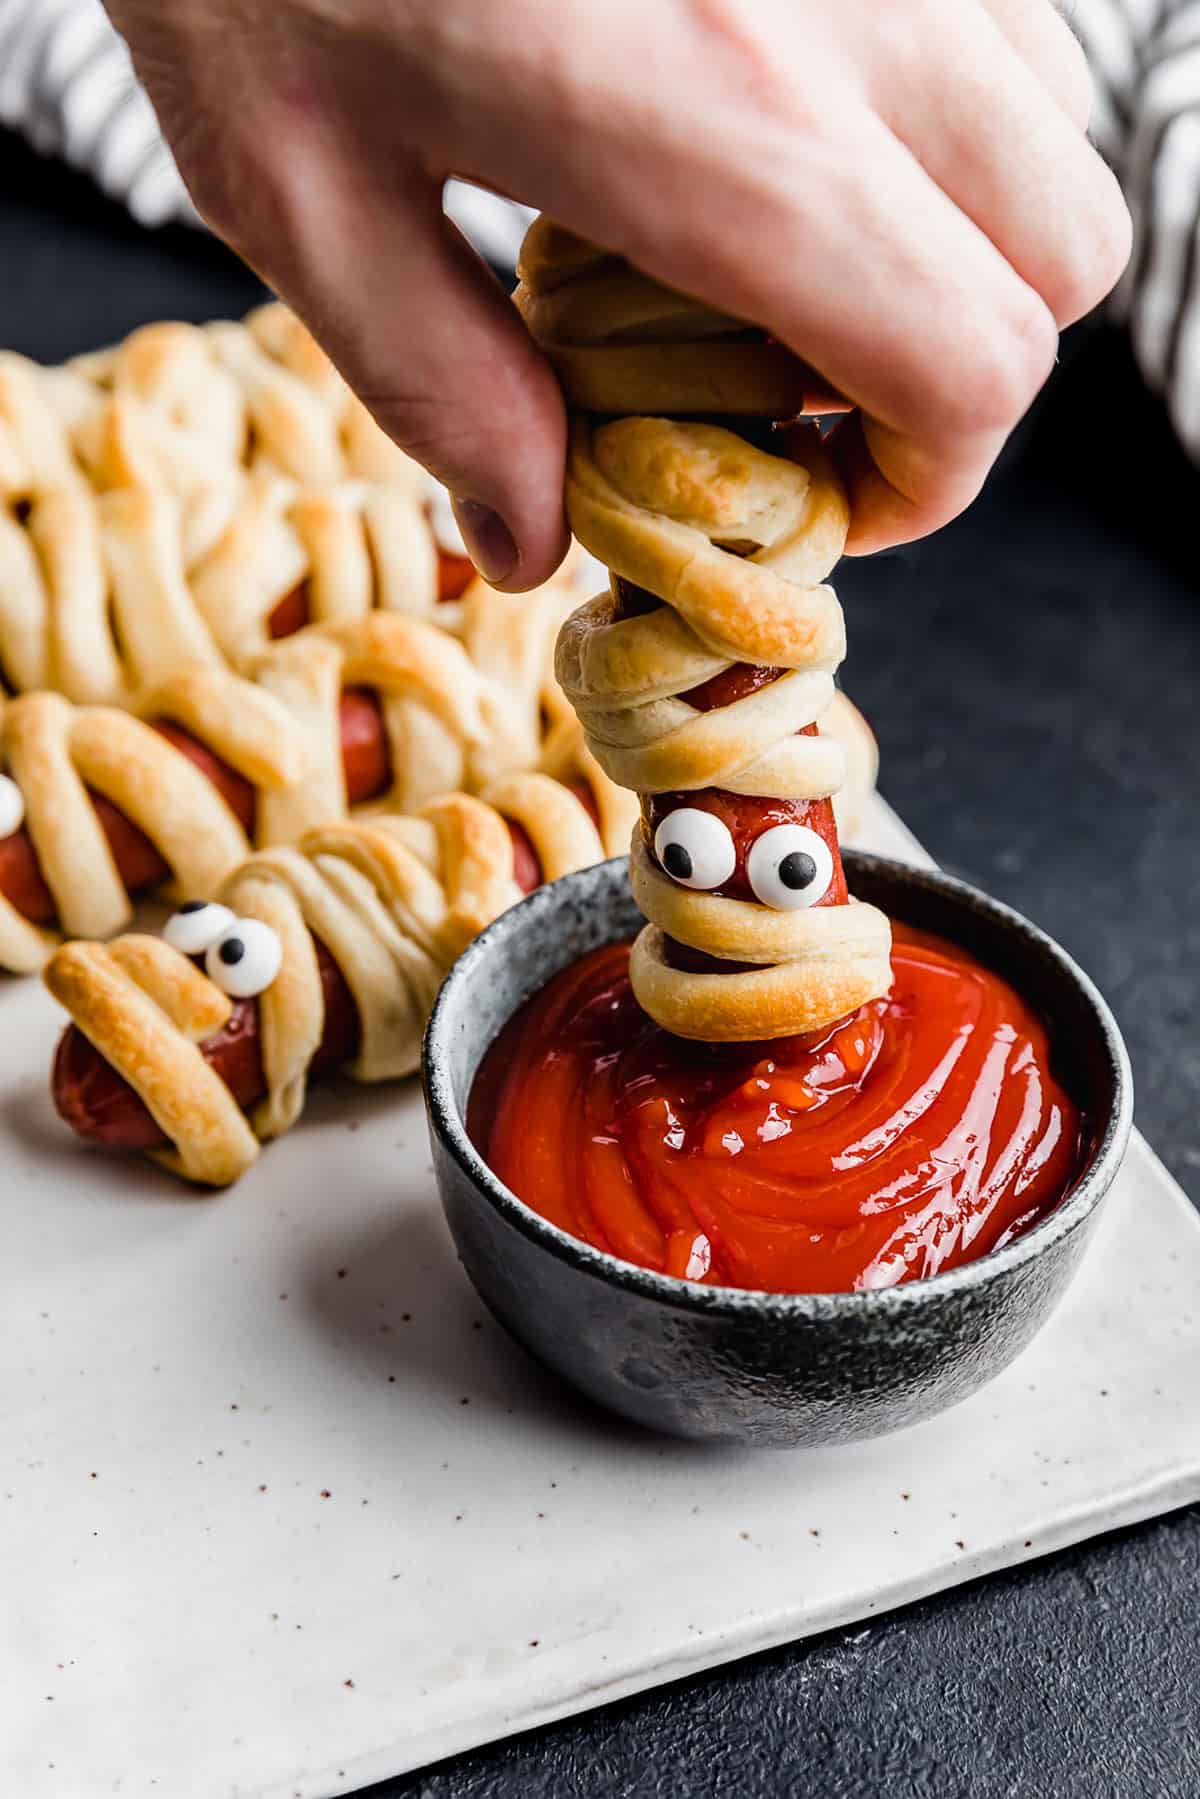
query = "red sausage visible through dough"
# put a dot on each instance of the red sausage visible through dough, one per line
(292, 612)
(98, 1104)
(365, 761)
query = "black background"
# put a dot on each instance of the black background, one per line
(1032, 674)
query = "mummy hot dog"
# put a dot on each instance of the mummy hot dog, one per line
(100, 805)
(119, 995)
(110, 806)
(192, 494)
(317, 957)
(699, 678)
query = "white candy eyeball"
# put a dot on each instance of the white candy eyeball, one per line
(12, 806)
(442, 521)
(196, 925)
(245, 959)
(790, 867)
(695, 848)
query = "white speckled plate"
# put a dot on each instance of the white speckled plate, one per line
(282, 1512)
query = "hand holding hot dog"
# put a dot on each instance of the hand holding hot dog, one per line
(903, 195)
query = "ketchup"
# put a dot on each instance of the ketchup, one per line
(922, 1132)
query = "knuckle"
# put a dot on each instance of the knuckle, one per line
(1077, 85)
(992, 382)
(1072, 74)
(1045, 40)
(1109, 237)
(1092, 260)
(1115, 244)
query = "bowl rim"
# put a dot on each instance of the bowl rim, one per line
(449, 1125)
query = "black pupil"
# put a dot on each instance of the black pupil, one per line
(232, 950)
(798, 870)
(194, 906)
(677, 862)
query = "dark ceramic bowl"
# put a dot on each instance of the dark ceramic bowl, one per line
(718, 1362)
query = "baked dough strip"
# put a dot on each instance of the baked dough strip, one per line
(449, 723)
(736, 543)
(393, 900)
(159, 500)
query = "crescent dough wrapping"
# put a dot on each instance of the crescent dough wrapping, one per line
(393, 900)
(56, 753)
(451, 723)
(737, 544)
(159, 500)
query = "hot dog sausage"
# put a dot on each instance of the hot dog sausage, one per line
(94, 1100)
(365, 761)
(98, 1104)
(744, 815)
(291, 614)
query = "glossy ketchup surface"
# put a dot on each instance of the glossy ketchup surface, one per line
(924, 1131)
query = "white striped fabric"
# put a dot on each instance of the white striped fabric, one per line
(67, 85)
(1146, 58)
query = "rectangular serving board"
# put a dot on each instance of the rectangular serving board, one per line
(283, 1512)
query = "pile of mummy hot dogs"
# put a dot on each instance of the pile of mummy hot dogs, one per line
(249, 671)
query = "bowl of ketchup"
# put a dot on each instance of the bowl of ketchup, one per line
(808, 1241)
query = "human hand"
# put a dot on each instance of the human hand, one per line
(903, 193)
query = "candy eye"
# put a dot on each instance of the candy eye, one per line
(790, 867)
(12, 806)
(195, 926)
(245, 959)
(695, 848)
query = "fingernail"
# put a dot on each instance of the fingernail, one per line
(488, 540)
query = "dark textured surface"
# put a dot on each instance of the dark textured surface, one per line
(1033, 675)
(740, 1367)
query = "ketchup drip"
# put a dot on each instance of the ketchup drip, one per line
(922, 1132)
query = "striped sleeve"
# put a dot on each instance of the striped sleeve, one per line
(1111, 32)
(66, 83)
(1145, 62)
(1159, 297)
(68, 86)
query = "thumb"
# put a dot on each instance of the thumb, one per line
(425, 335)
(448, 368)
